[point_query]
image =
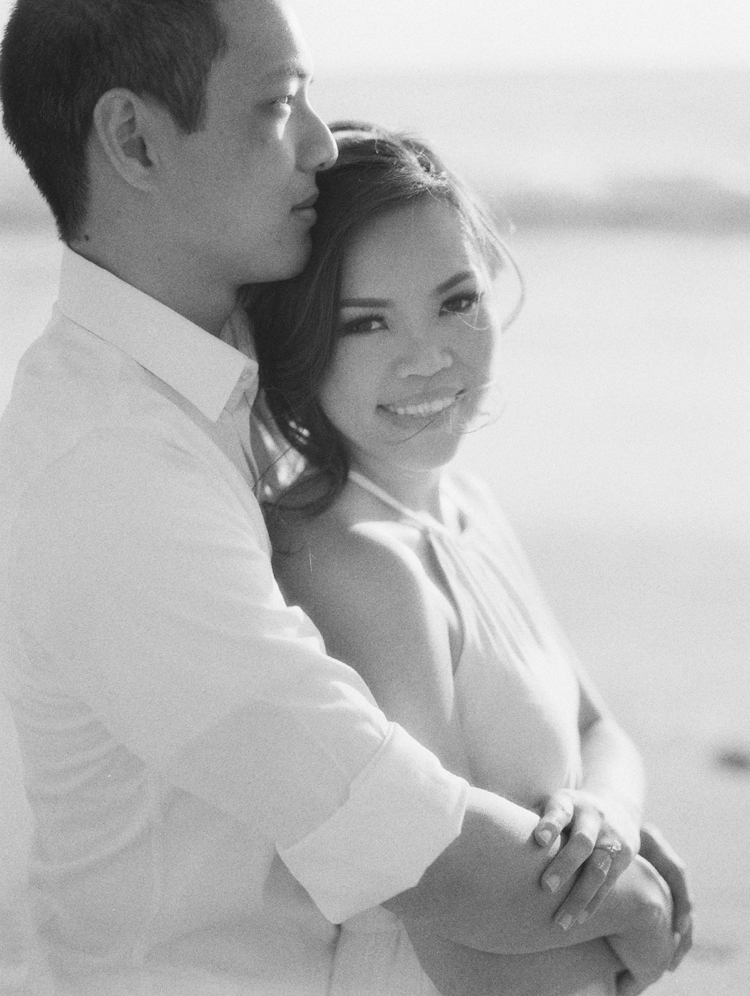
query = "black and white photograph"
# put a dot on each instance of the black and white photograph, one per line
(374, 492)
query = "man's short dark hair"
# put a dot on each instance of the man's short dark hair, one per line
(59, 57)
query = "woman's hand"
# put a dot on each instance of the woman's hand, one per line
(656, 850)
(602, 840)
(645, 942)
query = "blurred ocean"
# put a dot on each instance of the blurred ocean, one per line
(668, 149)
(623, 451)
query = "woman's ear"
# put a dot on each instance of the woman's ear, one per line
(127, 129)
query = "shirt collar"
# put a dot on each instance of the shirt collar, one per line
(203, 368)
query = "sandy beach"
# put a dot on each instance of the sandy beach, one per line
(622, 457)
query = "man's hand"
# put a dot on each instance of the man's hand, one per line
(656, 850)
(646, 945)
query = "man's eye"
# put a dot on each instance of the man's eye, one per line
(461, 304)
(282, 102)
(363, 326)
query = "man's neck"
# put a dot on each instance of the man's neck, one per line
(178, 289)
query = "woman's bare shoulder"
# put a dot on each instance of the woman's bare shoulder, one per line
(339, 553)
(362, 582)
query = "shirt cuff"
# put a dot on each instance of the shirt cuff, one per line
(403, 810)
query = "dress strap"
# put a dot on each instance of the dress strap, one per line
(421, 518)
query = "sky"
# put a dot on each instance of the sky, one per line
(369, 35)
(373, 35)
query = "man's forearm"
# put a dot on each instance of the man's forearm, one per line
(484, 892)
(460, 971)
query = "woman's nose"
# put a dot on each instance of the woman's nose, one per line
(423, 361)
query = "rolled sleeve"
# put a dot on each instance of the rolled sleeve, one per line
(143, 589)
(403, 811)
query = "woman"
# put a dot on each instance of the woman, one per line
(374, 362)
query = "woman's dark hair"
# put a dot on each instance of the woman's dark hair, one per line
(60, 56)
(296, 321)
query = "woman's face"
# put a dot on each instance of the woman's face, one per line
(415, 355)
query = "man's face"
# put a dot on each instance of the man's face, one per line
(240, 190)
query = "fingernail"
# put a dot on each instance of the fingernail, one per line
(552, 883)
(683, 924)
(565, 921)
(582, 917)
(544, 837)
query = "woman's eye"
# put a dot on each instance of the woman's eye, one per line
(363, 326)
(461, 304)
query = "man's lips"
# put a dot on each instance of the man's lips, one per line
(307, 203)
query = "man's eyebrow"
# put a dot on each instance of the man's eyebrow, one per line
(292, 69)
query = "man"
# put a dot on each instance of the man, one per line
(211, 792)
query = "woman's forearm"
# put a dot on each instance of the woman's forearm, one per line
(612, 765)
(604, 812)
(612, 768)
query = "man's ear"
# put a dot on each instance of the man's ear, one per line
(127, 128)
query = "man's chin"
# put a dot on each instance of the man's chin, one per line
(283, 266)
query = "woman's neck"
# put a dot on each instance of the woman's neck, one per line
(418, 490)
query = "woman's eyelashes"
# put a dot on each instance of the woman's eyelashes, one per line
(462, 304)
(465, 303)
(363, 325)
(469, 309)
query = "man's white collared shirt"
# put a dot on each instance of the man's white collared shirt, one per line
(211, 792)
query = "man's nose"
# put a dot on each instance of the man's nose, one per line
(320, 150)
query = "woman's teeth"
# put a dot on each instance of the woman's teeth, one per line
(425, 408)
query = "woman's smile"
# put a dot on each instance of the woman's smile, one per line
(424, 408)
(416, 340)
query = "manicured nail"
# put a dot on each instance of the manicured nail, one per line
(565, 921)
(582, 917)
(552, 883)
(544, 837)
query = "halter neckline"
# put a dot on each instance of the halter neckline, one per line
(422, 518)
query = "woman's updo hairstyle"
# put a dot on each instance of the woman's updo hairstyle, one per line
(296, 321)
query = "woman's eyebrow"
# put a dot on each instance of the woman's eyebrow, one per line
(384, 302)
(365, 302)
(458, 278)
